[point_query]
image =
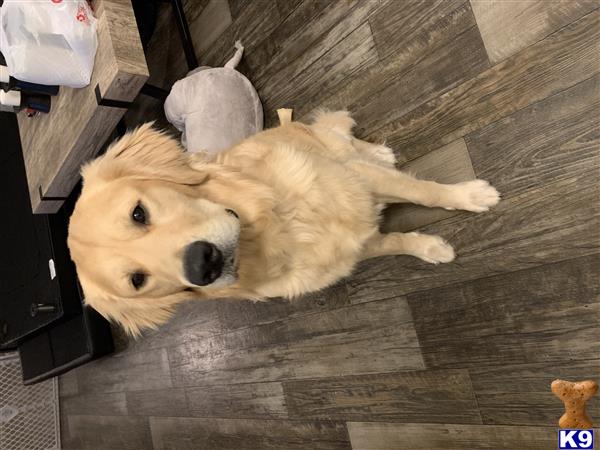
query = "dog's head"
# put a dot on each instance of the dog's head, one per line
(142, 237)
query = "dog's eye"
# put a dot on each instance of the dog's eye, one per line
(138, 279)
(139, 214)
(232, 212)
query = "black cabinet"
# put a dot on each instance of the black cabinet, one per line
(41, 310)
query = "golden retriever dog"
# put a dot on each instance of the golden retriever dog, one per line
(288, 211)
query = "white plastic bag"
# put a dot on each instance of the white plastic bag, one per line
(49, 41)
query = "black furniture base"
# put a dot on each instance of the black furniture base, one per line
(41, 310)
(64, 346)
(81, 334)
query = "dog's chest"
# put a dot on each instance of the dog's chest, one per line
(321, 218)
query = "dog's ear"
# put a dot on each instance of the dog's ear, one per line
(137, 314)
(144, 153)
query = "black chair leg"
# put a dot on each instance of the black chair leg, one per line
(184, 34)
(121, 129)
(188, 48)
(155, 92)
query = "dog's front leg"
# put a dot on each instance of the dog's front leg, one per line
(430, 248)
(392, 186)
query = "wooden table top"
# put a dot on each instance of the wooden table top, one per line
(55, 145)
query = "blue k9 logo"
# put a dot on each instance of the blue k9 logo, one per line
(568, 439)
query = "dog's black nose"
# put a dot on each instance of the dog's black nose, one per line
(202, 263)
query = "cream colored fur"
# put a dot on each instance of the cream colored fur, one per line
(309, 199)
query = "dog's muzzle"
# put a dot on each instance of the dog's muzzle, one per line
(202, 263)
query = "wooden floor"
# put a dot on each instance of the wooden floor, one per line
(402, 355)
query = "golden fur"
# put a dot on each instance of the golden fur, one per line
(308, 197)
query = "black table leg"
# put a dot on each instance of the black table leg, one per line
(184, 34)
(155, 92)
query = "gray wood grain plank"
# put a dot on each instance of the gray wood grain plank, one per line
(200, 319)
(508, 27)
(223, 23)
(264, 400)
(287, 7)
(236, 314)
(550, 140)
(489, 322)
(550, 223)
(370, 338)
(313, 39)
(520, 394)
(112, 403)
(417, 396)
(110, 432)
(158, 402)
(237, 6)
(448, 164)
(527, 77)
(255, 21)
(263, 54)
(349, 56)
(396, 436)
(192, 320)
(206, 28)
(458, 60)
(126, 371)
(193, 9)
(67, 442)
(67, 384)
(399, 22)
(335, 23)
(209, 21)
(426, 64)
(246, 434)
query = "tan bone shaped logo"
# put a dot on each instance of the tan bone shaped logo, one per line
(574, 396)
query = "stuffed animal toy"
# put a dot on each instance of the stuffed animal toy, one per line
(215, 108)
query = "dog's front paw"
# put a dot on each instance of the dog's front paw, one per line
(433, 249)
(475, 195)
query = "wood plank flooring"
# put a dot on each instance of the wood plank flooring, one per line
(531, 21)
(402, 354)
(188, 433)
(448, 164)
(398, 397)
(378, 436)
(550, 66)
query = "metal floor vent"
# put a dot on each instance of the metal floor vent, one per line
(29, 417)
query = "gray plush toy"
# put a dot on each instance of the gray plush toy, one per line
(215, 108)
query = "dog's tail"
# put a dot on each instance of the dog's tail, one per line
(235, 59)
